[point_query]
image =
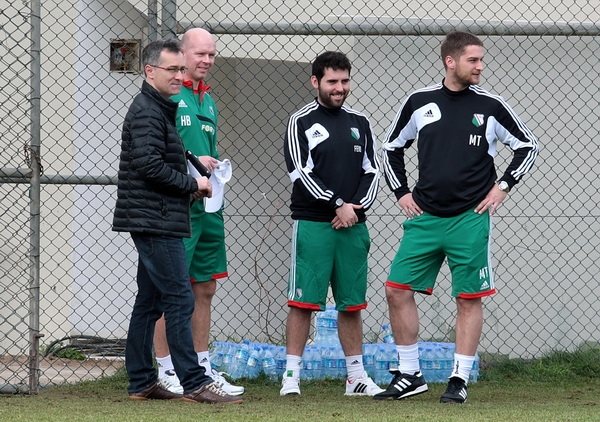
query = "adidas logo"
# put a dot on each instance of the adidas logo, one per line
(428, 113)
(204, 360)
(317, 134)
(485, 285)
(402, 384)
(360, 388)
(355, 362)
(182, 104)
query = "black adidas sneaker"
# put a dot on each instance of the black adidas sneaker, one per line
(402, 386)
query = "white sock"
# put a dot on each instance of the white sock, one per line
(462, 367)
(408, 358)
(293, 364)
(164, 364)
(354, 367)
(204, 360)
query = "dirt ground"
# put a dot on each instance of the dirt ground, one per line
(15, 373)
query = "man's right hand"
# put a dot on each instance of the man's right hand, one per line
(204, 188)
(345, 216)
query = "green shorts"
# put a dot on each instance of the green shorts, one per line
(464, 239)
(205, 250)
(322, 255)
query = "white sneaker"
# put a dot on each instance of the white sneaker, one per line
(219, 379)
(170, 381)
(290, 385)
(363, 386)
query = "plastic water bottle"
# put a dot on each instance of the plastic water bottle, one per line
(228, 353)
(216, 355)
(368, 352)
(381, 367)
(475, 371)
(280, 360)
(327, 333)
(317, 362)
(448, 362)
(269, 364)
(386, 334)
(426, 362)
(320, 327)
(392, 358)
(341, 371)
(329, 362)
(438, 363)
(306, 373)
(240, 359)
(253, 364)
(437, 358)
(311, 360)
(427, 358)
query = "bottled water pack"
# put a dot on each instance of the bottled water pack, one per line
(250, 360)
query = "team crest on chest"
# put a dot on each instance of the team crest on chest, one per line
(478, 119)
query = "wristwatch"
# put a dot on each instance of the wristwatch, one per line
(338, 203)
(503, 186)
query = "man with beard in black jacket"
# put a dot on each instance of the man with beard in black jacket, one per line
(457, 126)
(153, 204)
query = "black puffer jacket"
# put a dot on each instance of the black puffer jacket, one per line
(153, 195)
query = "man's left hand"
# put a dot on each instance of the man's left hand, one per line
(492, 200)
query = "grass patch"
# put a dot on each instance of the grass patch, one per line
(511, 390)
(555, 366)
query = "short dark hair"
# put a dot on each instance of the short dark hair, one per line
(151, 53)
(455, 43)
(332, 60)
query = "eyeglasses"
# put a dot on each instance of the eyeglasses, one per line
(174, 70)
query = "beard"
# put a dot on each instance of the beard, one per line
(467, 79)
(326, 100)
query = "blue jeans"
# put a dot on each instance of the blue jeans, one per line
(163, 286)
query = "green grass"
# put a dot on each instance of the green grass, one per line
(558, 387)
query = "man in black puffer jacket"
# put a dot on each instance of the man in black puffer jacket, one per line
(153, 199)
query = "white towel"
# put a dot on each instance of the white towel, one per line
(218, 178)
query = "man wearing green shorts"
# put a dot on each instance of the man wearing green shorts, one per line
(322, 256)
(457, 125)
(428, 239)
(332, 162)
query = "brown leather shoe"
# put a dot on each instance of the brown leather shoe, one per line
(211, 393)
(156, 392)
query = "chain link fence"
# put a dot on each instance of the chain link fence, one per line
(69, 71)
